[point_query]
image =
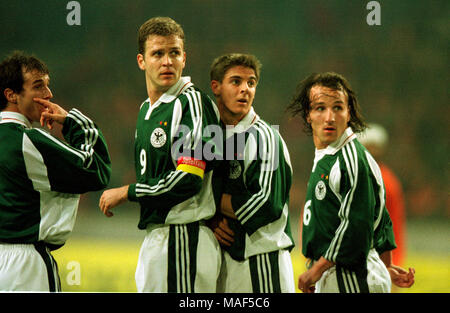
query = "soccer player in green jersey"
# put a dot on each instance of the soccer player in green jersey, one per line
(179, 252)
(41, 177)
(253, 189)
(347, 232)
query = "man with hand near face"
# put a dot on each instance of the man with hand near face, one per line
(41, 177)
(252, 188)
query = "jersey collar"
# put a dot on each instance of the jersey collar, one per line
(347, 136)
(334, 147)
(244, 124)
(14, 117)
(174, 91)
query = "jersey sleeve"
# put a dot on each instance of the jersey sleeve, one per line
(353, 236)
(77, 166)
(384, 234)
(187, 151)
(267, 180)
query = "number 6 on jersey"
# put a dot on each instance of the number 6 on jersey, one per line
(307, 213)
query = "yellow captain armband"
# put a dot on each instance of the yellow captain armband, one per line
(191, 165)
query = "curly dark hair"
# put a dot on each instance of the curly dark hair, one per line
(300, 103)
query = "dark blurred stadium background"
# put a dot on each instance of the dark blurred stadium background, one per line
(399, 69)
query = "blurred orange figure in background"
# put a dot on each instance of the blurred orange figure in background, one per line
(375, 139)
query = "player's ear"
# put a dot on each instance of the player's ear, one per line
(215, 87)
(10, 95)
(141, 61)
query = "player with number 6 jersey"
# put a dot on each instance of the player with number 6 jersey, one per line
(347, 232)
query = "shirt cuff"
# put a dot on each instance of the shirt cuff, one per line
(132, 193)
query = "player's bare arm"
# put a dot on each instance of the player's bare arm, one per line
(399, 276)
(226, 207)
(112, 198)
(307, 280)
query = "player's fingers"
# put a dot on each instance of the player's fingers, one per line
(43, 102)
(223, 224)
(107, 211)
(223, 235)
(101, 202)
(221, 240)
(103, 205)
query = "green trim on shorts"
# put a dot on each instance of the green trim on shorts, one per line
(351, 281)
(265, 272)
(51, 266)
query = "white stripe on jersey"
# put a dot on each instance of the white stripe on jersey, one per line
(34, 165)
(90, 131)
(83, 155)
(163, 185)
(267, 138)
(377, 173)
(351, 162)
(195, 106)
(335, 180)
(57, 210)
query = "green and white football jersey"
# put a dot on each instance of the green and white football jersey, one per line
(41, 177)
(345, 214)
(173, 186)
(258, 175)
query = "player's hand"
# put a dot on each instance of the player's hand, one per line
(112, 198)
(52, 113)
(306, 282)
(222, 231)
(400, 277)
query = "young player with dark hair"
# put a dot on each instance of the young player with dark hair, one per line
(252, 191)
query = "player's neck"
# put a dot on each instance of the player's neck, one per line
(228, 117)
(154, 95)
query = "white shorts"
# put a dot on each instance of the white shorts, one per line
(178, 258)
(270, 272)
(27, 267)
(340, 280)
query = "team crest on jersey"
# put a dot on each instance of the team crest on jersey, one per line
(235, 169)
(158, 137)
(321, 190)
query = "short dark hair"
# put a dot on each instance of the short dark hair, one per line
(223, 63)
(300, 103)
(161, 26)
(11, 72)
